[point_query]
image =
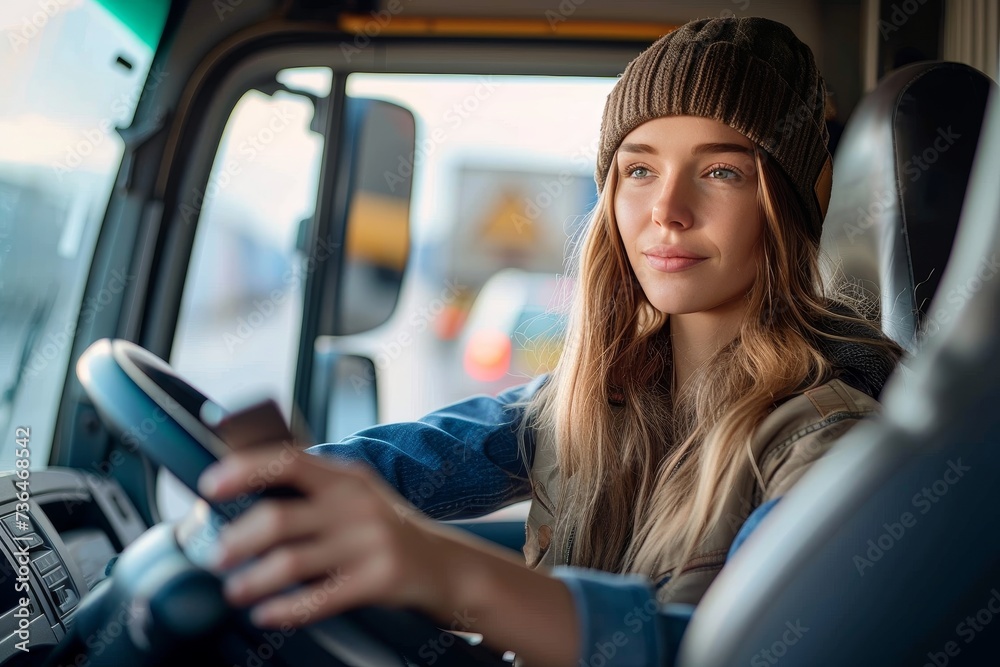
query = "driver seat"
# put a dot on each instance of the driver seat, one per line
(899, 181)
(887, 551)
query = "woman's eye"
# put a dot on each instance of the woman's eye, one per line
(721, 173)
(638, 172)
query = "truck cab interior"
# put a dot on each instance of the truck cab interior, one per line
(316, 201)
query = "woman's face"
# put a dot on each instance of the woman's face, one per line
(686, 208)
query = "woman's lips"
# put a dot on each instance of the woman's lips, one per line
(673, 264)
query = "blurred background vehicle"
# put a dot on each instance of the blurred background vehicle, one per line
(515, 330)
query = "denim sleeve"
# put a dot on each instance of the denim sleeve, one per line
(750, 524)
(621, 623)
(458, 462)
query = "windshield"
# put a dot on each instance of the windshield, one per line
(72, 72)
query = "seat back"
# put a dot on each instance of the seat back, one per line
(899, 180)
(887, 552)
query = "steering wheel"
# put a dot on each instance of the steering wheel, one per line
(172, 599)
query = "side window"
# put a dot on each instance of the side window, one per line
(503, 177)
(237, 335)
(238, 330)
(71, 73)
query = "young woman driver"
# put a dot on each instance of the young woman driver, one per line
(705, 369)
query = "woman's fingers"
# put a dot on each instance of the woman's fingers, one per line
(267, 523)
(346, 521)
(251, 471)
(334, 593)
(293, 562)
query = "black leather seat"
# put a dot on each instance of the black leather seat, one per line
(898, 185)
(888, 551)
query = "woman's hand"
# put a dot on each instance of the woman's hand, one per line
(356, 543)
(351, 537)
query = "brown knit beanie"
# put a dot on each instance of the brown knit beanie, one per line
(752, 74)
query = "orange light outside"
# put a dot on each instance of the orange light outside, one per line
(487, 355)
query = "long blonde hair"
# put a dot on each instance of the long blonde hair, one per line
(631, 456)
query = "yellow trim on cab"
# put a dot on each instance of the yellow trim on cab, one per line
(450, 26)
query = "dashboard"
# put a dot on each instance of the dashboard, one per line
(77, 522)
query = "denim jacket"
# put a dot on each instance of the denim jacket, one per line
(463, 461)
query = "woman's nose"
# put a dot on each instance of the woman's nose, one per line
(672, 205)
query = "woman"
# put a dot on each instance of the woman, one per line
(704, 370)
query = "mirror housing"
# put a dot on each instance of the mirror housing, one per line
(377, 238)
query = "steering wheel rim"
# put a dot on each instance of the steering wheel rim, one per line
(131, 388)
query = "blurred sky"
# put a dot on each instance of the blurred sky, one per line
(62, 80)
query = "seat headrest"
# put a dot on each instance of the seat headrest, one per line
(899, 180)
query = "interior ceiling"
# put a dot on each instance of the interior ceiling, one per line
(804, 17)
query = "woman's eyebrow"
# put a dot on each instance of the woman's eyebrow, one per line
(703, 149)
(637, 148)
(700, 149)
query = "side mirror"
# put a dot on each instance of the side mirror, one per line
(378, 222)
(344, 393)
